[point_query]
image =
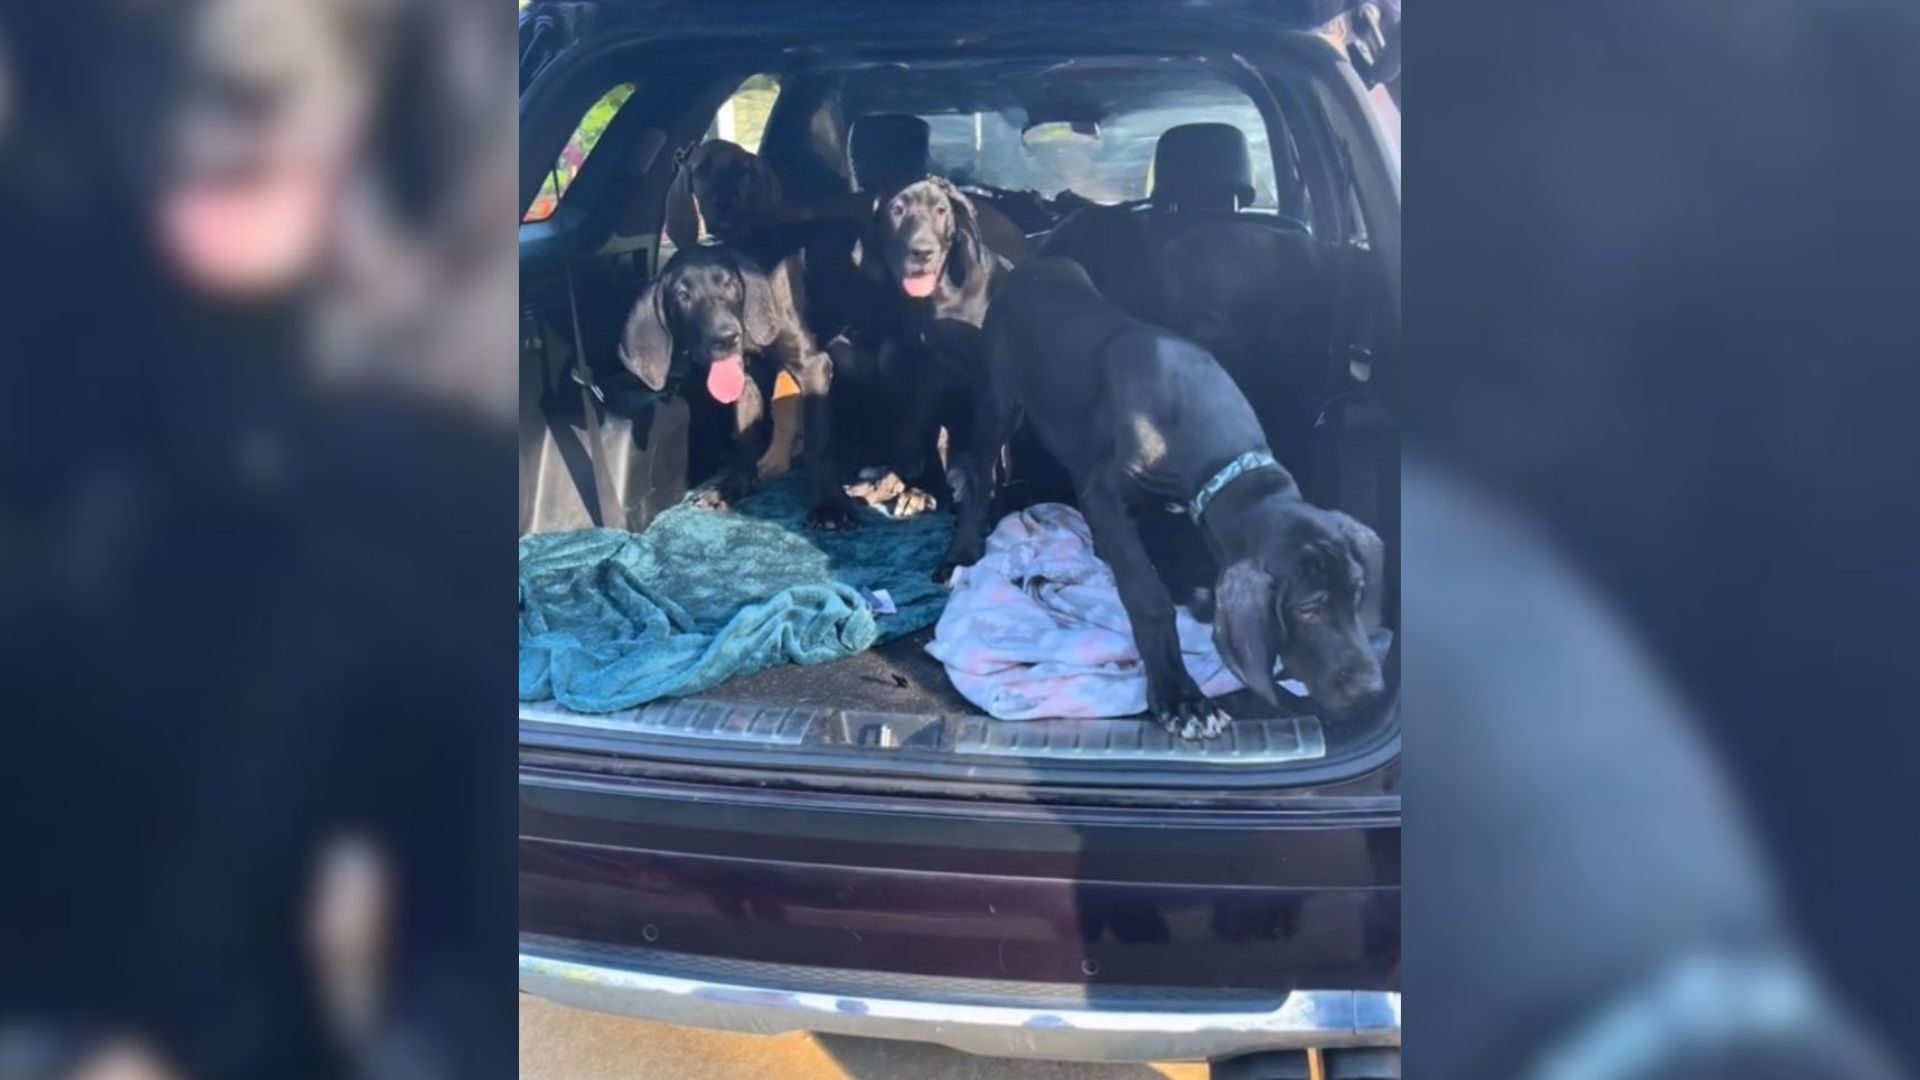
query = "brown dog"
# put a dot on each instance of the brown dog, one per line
(722, 190)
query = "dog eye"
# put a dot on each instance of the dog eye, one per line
(1308, 613)
(940, 209)
(896, 210)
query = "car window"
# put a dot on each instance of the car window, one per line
(986, 148)
(742, 118)
(574, 154)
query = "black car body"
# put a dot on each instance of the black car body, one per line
(789, 860)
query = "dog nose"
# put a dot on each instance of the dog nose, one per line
(727, 342)
(922, 253)
(1362, 682)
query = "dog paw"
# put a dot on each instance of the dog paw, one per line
(831, 517)
(1187, 714)
(712, 499)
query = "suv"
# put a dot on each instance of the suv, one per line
(851, 848)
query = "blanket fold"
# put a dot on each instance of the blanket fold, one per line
(1036, 630)
(610, 620)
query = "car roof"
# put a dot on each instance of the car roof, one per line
(1077, 25)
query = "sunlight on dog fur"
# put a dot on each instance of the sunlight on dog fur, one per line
(1152, 445)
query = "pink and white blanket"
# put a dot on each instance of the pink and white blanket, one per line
(1035, 629)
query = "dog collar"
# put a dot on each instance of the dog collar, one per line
(1234, 470)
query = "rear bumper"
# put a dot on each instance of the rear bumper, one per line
(1054, 1029)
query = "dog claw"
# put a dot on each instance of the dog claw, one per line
(830, 518)
(1192, 719)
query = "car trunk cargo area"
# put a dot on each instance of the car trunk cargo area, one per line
(890, 710)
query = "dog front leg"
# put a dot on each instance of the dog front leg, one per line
(740, 476)
(1173, 698)
(832, 507)
(977, 481)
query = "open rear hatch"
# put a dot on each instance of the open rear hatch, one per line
(889, 716)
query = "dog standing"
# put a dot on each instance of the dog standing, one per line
(1141, 418)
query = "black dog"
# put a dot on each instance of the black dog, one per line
(1140, 418)
(734, 321)
(724, 190)
(926, 245)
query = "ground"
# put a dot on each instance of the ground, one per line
(566, 1044)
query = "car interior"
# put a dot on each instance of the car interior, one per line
(1131, 164)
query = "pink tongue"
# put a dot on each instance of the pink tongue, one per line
(920, 285)
(727, 379)
(245, 237)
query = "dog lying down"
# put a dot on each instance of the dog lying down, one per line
(1141, 418)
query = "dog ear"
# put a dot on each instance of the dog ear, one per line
(1247, 628)
(968, 253)
(646, 345)
(1370, 552)
(868, 246)
(683, 213)
(768, 306)
(768, 195)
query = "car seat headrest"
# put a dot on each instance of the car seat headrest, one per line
(889, 150)
(1202, 167)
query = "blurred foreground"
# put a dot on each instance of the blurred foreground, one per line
(259, 301)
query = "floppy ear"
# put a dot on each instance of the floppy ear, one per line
(1370, 552)
(646, 345)
(768, 300)
(768, 195)
(683, 214)
(869, 246)
(968, 253)
(1246, 627)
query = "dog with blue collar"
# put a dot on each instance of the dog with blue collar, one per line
(1142, 418)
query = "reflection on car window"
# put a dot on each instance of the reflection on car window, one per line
(574, 154)
(986, 148)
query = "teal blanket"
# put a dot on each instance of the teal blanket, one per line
(610, 619)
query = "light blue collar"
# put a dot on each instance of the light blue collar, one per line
(1234, 470)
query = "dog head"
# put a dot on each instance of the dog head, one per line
(1309, 596)
(241, 123)
(926, 229)
(710, 306)
(725, 188)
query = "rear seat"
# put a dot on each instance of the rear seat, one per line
(1250, 286)
(888, 151)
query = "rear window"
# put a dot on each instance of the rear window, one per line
(986, 148)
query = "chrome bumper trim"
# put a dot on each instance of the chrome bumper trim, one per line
(1305, 1018)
